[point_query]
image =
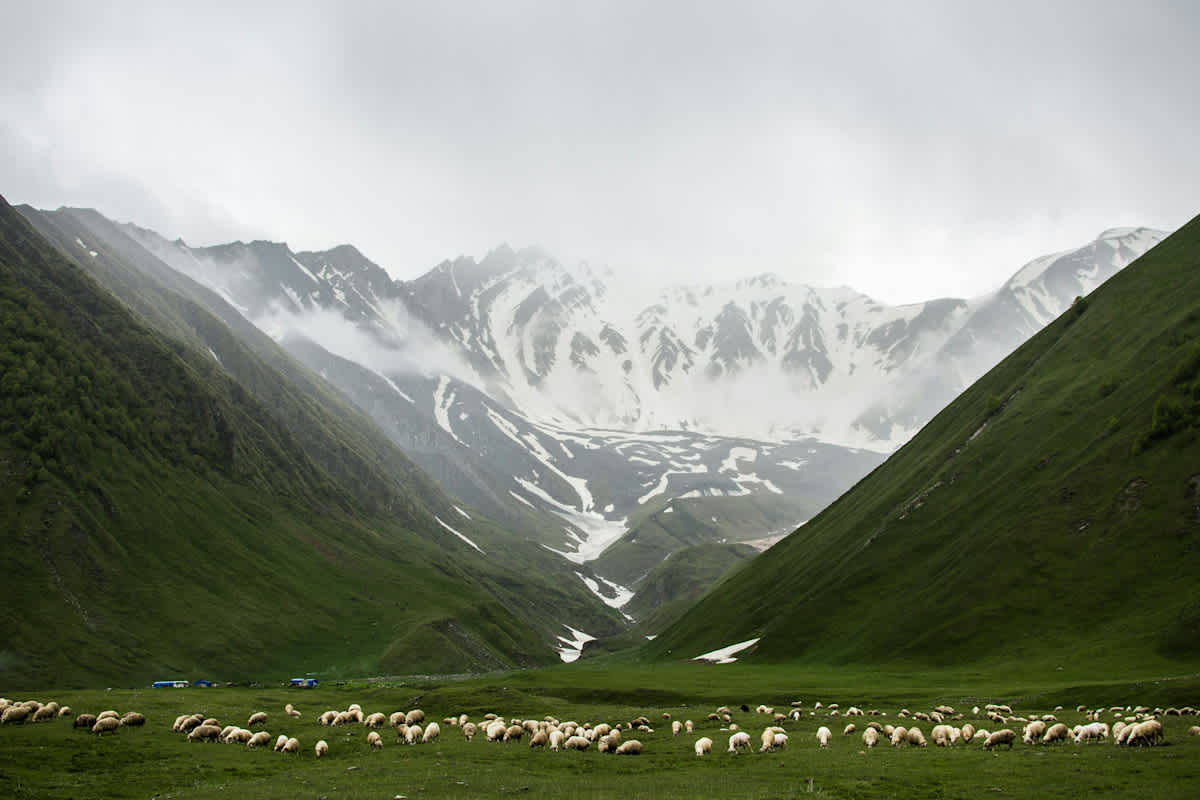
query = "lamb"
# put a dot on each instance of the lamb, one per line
(704, 746)
(1056, 733)
(200, 733)
(290, 710)
(373, 740)
(630, 747)
(257, 718)
(469, 730)
(870, 737)
(577, 743)
(781, 740)
(376, 720)
(106, 725)
(291, 746)
(556, 739)
(85, 721)
(916, 738)
(824, 735)
(1004, 736)
(432, 732)
(321, 749)
(739, 740)
(260, 739)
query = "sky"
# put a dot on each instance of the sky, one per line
(907, 149)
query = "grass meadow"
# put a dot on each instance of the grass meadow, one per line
(53, 760)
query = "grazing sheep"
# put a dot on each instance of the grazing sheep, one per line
(290, 710)
(107, 714)
(781, 740)
(739, 740)
(373, 740)
(321, 749)
(260, 739)
(514, 733)
(704, 746)
(577, 743)
(228, 729)
(49, 711)
(968, 732)
(1004, 736)
(106, 725)
(328, 718)
(397, 718)
(870, 737)
(1094, 730)
(630, 747)
(768, 741)
(415, 717)
(280, 742)
(557, 738)
(133, 719)
(376, 720)
(604, 745)
(291, 746)
(239, 736)
(207, 721)
(413, 734)
(1033, 731)
(539, 739)
(85, 721)
(1149, 732)
(676, 728)
(469, 730)
(257, 718)
(941, 735)
(916, 738)
(1056, 733)
(432, 732)
(495, 731)
(200, 733)
(824, 735)
(899, 735)
(849, 729)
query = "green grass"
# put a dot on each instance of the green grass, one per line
(51, 760)
(1047, 516)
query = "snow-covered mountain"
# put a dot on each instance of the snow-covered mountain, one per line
(533, 390)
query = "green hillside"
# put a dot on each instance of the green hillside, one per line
(158, 517)
(1050, 513)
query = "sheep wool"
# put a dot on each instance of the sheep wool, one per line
(292, 745)
(468, 730)
(106, 725)
(577, 743)
(280, 742)
(373, 741)
(375, 720)
(321, 749)
(257, 718)
(704, 746)
(260, 739)
(133, 719)
(630, 747)
(823, 736)
(432, 732)
(1004, 736)
(870, 736)
(739, 740)
(557, 739)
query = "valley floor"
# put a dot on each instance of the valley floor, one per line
(52, 760)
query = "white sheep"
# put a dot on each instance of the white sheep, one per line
(849, 729)
(630, 747)
(704, 746)
(1055, 733)
(576, 743)
(1148, 732)
(374, 741)
(824, 735)
(292, 745)
(415, 717)
(739, 740)
(290, 710)
(257, 718)
(200, 733)
(107, 725)
(376, 720)
(413, 734)
(539, 739)
(469, 730)
(557, 738)
(870, 736)
(260, 739)
(321, 748)
(432, 732)
(781, 740)
(280, 742)
(1033, 731)
(676, 728)
(328, 718)
(239, 736)
(916, 738)
(899, 735)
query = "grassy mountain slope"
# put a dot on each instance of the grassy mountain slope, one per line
(1051, 512)
(159, 518)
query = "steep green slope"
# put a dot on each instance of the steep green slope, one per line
(1051, 512)
(157, 518)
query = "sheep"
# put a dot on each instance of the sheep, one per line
(944, 709)
(201, 733)
(941, 735)
(630, 747)
(376, 720)
(415, 717)
(280, 742)
(85, 721)
(968, 732)
(676, 728)
(207, 720)
(373, 740)
(397, 718)
(1033, 731)
(107, 714)
(689, 727)
(291, 746)
(556, 739)
(495, 731)
(290, 710)
(899, 735)
(768, 741)
(432, 732)
(604, 745)
(328, 718)
(228, 729)
(1194, 730)
(257, 718)
(781, 740)
(539, 739)
(514, 733)
(48, 711)
(1056, 733)
(106, 725)
(704, 746)
(469, 731)
(1148, 732)
(849, 729)
(321, 749)
(1004, 736)
(413, 734)
(239, 736)
(577, 743)
(916, 738)
(870, 736)
(133, 719)
(739, 740)
(1094, 730)
(824, 735)
(260, 739)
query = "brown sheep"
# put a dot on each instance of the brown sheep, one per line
(85, 721)
(106, 725)
(203, 733)
(257, 718)
(133, 719)
(1004, 736)
(630, 747)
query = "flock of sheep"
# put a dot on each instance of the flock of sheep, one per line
(1125, 725)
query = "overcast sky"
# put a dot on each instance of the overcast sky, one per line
(907, 149)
